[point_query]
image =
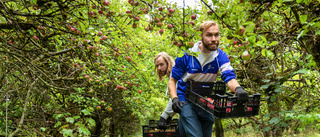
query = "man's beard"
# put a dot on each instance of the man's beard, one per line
(210, 47)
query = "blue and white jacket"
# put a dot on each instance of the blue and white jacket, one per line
(203, 68)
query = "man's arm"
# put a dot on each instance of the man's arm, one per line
(232, 84)
(172, 88)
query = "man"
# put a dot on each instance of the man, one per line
(195, 121)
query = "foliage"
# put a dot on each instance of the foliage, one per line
(74, 68)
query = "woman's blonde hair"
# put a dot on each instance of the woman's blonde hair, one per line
(170, 63)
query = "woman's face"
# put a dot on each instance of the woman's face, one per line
(161, 66)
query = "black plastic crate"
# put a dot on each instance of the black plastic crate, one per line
(224, 105)
(152, 131)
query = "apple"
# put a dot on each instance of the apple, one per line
(210, 105)
(210, 100)
(171, 10)
(75, 64)
(128, 58)
(96, 54)
(137, 18)
(193, 17)
(190, 43)
(160, 9)
(228, 110)
(140, 53)
(100, 11)
(175, 43)
(85, 41)
(128, 11)
(161, 31)
(245, 55)
(146, 28)
(162, 19)
(239, 45)
(102, 101)
(191, 22)
(159, 24)
(134, 25)
(35, 38)
(241, 1)
(140, 91)
(118, 87)
(169, 15)
(202, 100)
(150, 28)
(169, 26)
(249, 108)
(87, 76)
(210, 12)
(106, 3)
(98, 107)
(101, 67)
(234, 42)
(100, 33)
(109, 109)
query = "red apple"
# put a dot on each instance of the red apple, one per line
(210, 12)
(175, 43)
(249, 108)
(146, 28)
(129, 59)
(161, 31)
(128, 11)
(245, 55)
(171, 10)
(193, 17)
(104, 38)
(159, 24)
(100, 11)
(228, 110)
(98, 107)
(190, 43)
(100, 33)
(134, 26)
(106, 3)
(169, 26)
(202, 100)
(109, 109)
(140, 91)
(210, 106)
(137, 18)
(140, 53)
(191, 22)
(160, 9)
(35, 38)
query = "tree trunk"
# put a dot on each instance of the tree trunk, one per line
(218, 127)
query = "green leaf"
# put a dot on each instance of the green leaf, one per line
(70, 120)
(67, 132)
(250, 28)
(252, 39)
(266, 129)
(301, 71)
(302, 33)
(57, 124)
(84, 130)
(318, 32)
(274, 121)
(273, 43)
(76, 117)
(303, 18)
(266, 80)
(264, 87)
(299, 1)
(92, 122)
(85, 112)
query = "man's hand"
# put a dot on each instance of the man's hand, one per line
(241, 94)
(162, 123)
(176, 105)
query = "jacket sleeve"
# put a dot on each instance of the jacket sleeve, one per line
(226, 70)
(180, 67)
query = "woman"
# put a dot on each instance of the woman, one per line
(163, 66)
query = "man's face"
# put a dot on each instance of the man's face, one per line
(210, 38)
(161, 66)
